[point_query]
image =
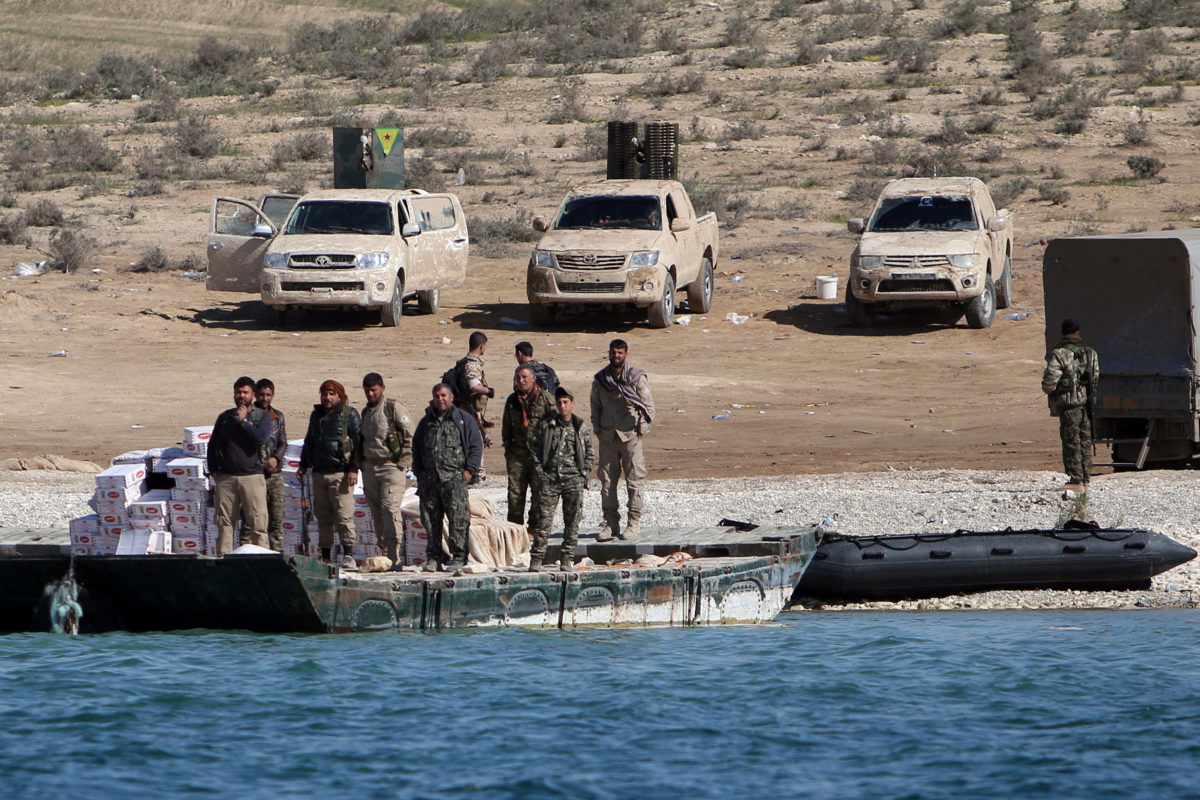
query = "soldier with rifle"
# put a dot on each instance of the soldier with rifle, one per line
(1070, 381)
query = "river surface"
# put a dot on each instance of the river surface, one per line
(1046, 704)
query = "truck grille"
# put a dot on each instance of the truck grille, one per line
(591, 288)
(335, 286)
(909, 262)
(321, 261)
(900, 286)
(589, 260)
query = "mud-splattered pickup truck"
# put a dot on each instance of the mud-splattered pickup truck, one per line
(340, 249)
(623, 242)
(932, 243)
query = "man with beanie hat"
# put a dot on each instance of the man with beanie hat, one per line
(332, 449)
(1070, 380)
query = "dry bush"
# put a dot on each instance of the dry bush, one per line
(438, 136)
(962, 18)
(864, 191)
(983, 123)
(26, 149)
(44, 213)
(1144, 166)
(198, 137)
(799, 9)
(81, 150)
(570, 103)
(151, 164)
(950, 134)
(422, 173)
(729, 206)
(666, 84)
(294, 182)
(1079, 25)
(745, 57)
(1134, 54)
(740, 30)
(163, 106)
(217, 67)
(807, 51)
(745, 129)
(1136, 133)
(1055, 193)
(1005, 193)
(910, 56)
(70, 249)
(1172, 13)
(1033, 66)
(492, 63)
(490, 235)
(13, 229)
(928, 163)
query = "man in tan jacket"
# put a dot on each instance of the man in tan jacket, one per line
(622, 412)
(387, 433)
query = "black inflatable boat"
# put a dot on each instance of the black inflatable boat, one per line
(914, 566)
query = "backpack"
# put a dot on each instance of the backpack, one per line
(394, 445)
(453, 378)
(545, 376)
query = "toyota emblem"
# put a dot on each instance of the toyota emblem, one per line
(322, 261)
(589, 258)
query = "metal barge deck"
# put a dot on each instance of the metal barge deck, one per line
(733, 578)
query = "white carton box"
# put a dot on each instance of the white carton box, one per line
(159, 462)
(195, 507)
(195, 449)
(121, 475)
(191, 484)
(197, 433)
(89, 524)
(186, 544)
(151, 505)
(294, 448)
(186, 468)
(178, 496)
(140, 542)
(105, 544)
(120, 494)
(108, 519)
(194, 520)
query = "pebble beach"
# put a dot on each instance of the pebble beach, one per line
(860, 504)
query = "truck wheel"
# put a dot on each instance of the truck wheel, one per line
(860, 316)
(981, 310)
(1004, 295)
(391, 314)
(276, 317)
(662, 313)
(700, 291)
(540, 314)
(429, 301)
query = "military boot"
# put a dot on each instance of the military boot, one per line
(632, 529)
(611, 528)
(432, 565)
(535, 563)
(456, 564)
(566, 564)
(349, 564)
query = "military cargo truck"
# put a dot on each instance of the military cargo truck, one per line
(1137, 300)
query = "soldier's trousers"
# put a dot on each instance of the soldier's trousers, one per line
(520, 483)
(545, 500)
(1075, 430)
(247, 493)
(616, 458)
(275, 506)
(384, 484)
(448, 500)
(333, 506)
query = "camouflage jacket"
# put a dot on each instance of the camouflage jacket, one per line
(446, 444)
(1072, 375)
(521, 418)
(563, 450)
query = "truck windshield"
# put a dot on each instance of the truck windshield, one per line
(580, 213)
(341, 216)
(924, 213)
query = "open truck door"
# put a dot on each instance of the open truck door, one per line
(277, 207)
(238, 237)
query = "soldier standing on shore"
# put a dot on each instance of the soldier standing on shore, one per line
(562, 457)
(523, 410)
(447, 454)
(235, 460)
(472, 390)
(386, 456)
(1070, 380)
(622, 413)
(331, 450)
(275, 453)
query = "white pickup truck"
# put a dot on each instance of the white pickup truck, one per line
(340, 249)
(932, 243)
(623, 242)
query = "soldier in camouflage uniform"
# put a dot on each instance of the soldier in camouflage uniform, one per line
(276, 451)
(447, 454)
(473, 390)
(563, 457)
(1070, 381)
(523, 410)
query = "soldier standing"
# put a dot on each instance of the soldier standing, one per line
(386, 456)
(545, 375)
(275, 451)
(622, 413)
(331, 450)
(1070, 380)
(472, 391)
(447, 454)
(562, 457)
(523, 410)
(235, 460)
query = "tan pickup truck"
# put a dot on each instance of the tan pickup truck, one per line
(932, 243)
(340, 249)
(623, 242)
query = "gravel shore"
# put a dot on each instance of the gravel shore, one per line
(865, 504)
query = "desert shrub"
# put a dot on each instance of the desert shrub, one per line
(1073, 102)
(13, 227)
(729, 207)
(8, 200)
(1079, 25)
(492, 62)
(294, 182)
(864, 190)
(71, 249)
(1135, 53)
(149, 188)
(1055, 193)
(1144, 166)
(438, 136)
(123, 76)
(950, 134)
(570, 103)
(1069, 126)
(162, 107)
(745, 129)
(44, 213)
(884, 153)
(1006, 192)
(576, 33)
(807, 51)
(26, 150)
(151, 163)
(926, 163)
(198, 137)
(982, 123)
(666, 84)
(1138, 132)
(434, 25)
(83, 150)
(422, 173)
(891, 127)
(962, 18)
(489, 235)
(1173, 13)
(308, 146)
(792, 8)
(1033, 66)
(911, 55)
(216, 68)
(744, 57)
(740, 29)
(152, 260)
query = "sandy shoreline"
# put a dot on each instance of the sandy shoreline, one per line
(865, 504)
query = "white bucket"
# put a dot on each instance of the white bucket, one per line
(827, 287)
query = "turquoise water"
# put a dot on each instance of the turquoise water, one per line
(1078, 704)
